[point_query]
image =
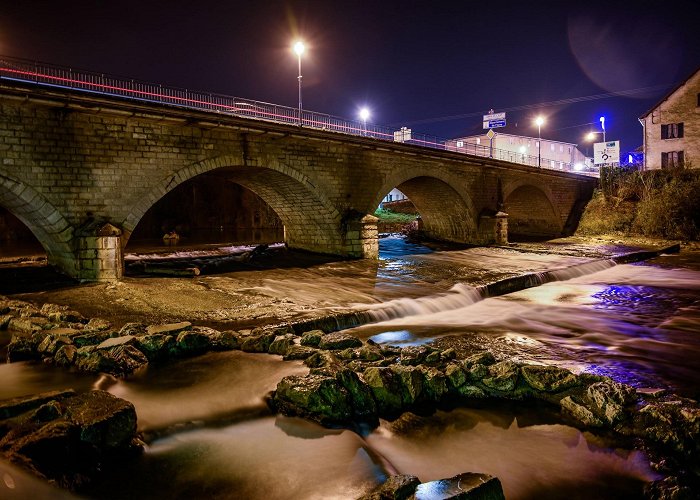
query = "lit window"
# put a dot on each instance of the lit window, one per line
(460, 144)
(551, 163)
(672, 131)
(478, 140)
(561, 165)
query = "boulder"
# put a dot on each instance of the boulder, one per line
(361, 398)
(21, 349)
(134, 329)
(370, 352)
(192, 342)
(416, 355)
(66, 355)
(548, 378)
(299, 352)
(281, 344)
(98, 324)
(52, 343)
(411, 379)
(5, 321)
(312, 338)
(434, 383)
(502, 377)
(10, 408)
(323, 360)
(580, 413)
(93, 338)
(157, 346)
(225, 341)
(320, 398)
(27, 325)
(338, 340)
(455, 375)
(480, 358)
(398, 487)
(467, 486)
(120, 360)
(257, 342)
(52, 449)
(104, 421)
(116, 341)
(387, 389)
(608, 399)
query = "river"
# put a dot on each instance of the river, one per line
(210, 435)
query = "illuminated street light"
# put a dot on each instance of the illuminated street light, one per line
(299, 50)
(364, 114)
(602, 126)
(522, 150)
(539, 121)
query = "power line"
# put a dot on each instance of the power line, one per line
(560, 102)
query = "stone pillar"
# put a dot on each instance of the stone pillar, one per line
(361, 236)
(501, 228)
(100, 256)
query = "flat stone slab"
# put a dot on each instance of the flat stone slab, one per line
(169, 329)
(16, 406)
(115, 341)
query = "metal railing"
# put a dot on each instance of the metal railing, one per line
(98, 83)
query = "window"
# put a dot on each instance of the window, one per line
(478, 140)
(672, 159)
(552, 163)
(551, 147)
(672, 131)
(561, 148)
(460, 144)
(561, 165)
(698, 98)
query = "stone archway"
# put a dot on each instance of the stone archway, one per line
(47, 224)
(531, 212)
(446, 211)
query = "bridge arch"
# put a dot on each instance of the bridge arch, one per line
(46, 223)
(446, 209)
(311, 221)
(531, 210)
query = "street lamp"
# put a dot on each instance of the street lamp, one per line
(602, 126)
(364, 114)
(299, 50)
(539, 121)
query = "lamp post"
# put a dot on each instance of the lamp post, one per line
(539, 121)
(364, 114)
(299, 50)
(602, 126)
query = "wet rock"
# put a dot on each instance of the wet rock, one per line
(467, 486)
(320, 398)
(548, 378)
(13, 407)
(471, 392)
(119, 360)
(389, 351)
(116, 341)
(21, 349)
(455, 375)
(387, 389)
(93, 338)
(502, 377)
(398, 487)
(47, 412)
(225, 341)
(134, 329)
(168, 329)
(662, 423)
(66, 316)
(98, 324)
(669, 488)
(66, 355)
(296, 352)
(608, 400)
(5, 321)
(323, 360)
(480, 358)
(338, 340)
(411, 380)
(27, 325)
(312, 338)
(257, 342)
(192, 342)
(416, 355)
(52, 343)
(434, 383)
(370, 352)
(281, 344)
(361, 398)
(104, 420)
(448, 354)
(157, 346)
(49, 308)
(580, 413)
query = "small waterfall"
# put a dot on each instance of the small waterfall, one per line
(462, 295)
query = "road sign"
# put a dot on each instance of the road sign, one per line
(494, 120)
(490, 134)
(606, 153)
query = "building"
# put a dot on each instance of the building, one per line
(523, 149)
(672, 128)
(394, 195)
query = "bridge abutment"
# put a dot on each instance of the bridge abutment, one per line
(100, 255)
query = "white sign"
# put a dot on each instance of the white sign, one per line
(402, 135)
(606, 153)
(494, 120)
(495, 116)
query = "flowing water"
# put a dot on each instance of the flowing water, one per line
(210, 434)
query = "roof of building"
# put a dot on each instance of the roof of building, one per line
(513, 135)
(670, 93)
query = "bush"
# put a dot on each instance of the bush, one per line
(671, 211)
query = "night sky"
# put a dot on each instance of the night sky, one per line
(433, 66)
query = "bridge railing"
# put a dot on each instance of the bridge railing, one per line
(57, 76)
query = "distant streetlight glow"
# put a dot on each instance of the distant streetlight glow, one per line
(298, 49)
(602, 126)
(364, 115)
(578, 167)
(539, 121)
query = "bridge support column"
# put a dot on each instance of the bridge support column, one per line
(361, 236)
(100, 256)
(493, 229)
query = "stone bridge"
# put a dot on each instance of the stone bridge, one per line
(80, 170)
